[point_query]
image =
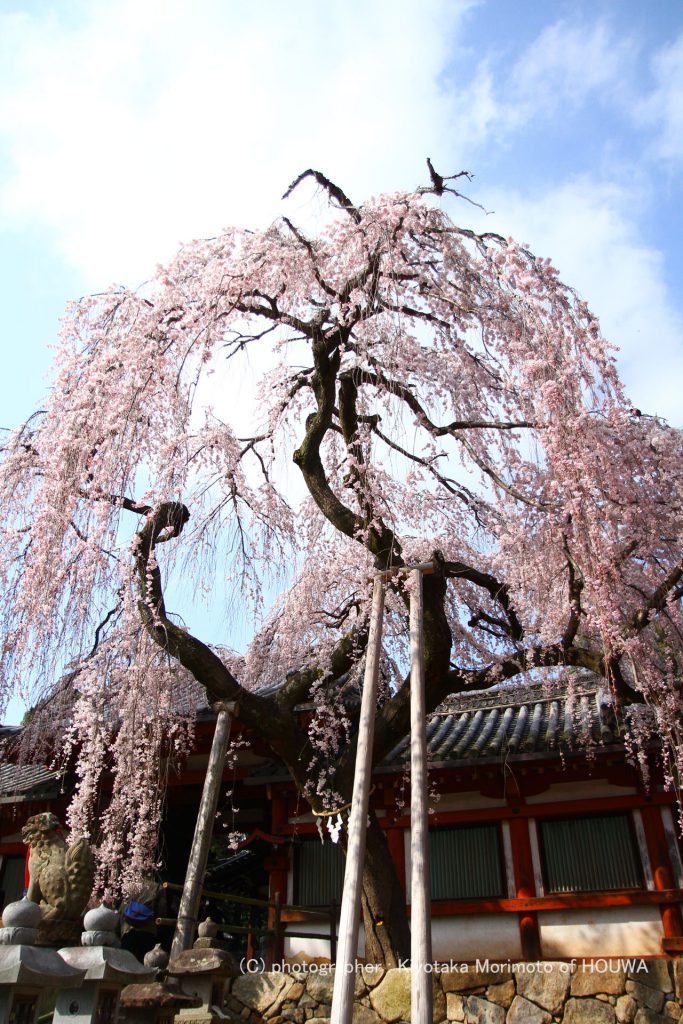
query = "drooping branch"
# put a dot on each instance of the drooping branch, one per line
(457, 490)
(454, 429)
(306, 244)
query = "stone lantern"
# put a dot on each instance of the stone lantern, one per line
(203, 972)
(105, 969)
(159, 1001)
(28, 972)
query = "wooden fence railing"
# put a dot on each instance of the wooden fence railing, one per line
(279, 916)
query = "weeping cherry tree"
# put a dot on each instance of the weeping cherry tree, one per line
(428, 393)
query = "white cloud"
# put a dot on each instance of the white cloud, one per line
(564, 68)
(132, 126)
(128, 127)
(566, 64)
(663, 107)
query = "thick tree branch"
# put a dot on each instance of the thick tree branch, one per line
(657, 600)
(332, 190)
(278, 728)
(500, 592)
(575, 591)
(382, 542)
(382, 539)
(346, 654)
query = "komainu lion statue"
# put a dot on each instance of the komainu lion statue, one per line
(61, 878)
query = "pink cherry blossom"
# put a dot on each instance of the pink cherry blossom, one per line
(426, 393)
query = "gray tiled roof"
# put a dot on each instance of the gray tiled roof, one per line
(27, 781)
(511, 722)
(514, 722)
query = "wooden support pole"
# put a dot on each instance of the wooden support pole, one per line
(347, 946)
(420, 890)
(199, 854)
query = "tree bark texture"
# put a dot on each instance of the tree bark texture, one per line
(387, 933)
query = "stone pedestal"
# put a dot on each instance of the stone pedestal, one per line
(53, 934)
(27, 973)
(155, 1003)
(203, 973)
(105, 971)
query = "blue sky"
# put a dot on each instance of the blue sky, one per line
(127, 126)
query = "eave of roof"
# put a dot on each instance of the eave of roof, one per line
(21, 783)
(522, 724)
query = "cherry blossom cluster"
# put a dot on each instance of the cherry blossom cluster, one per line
(424, 394)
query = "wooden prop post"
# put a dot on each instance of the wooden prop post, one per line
(420, 897)
(347, 948)
(199, 854)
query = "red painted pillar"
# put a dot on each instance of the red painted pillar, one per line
(525, 887)
(658, 849)
(395, 841)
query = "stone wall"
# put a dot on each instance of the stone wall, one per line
(589, 992)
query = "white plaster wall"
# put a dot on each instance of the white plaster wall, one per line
(590, 789)
(465, 937)
(466, 801)
(316, 947)
(608, 931)
(476, 936)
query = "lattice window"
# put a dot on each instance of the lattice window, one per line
(589, 854)
(465, 862)
(319, 873)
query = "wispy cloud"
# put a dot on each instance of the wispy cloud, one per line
(662, 109)
(130, 126)
(568, 64)
(565, 67)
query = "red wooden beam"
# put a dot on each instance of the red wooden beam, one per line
(12, 849)
(558, 901)
(519, 811)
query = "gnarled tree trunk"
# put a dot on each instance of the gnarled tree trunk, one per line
(385, 918)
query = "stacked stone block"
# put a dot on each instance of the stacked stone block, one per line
(598, 992)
